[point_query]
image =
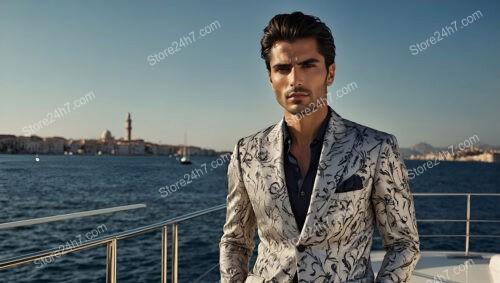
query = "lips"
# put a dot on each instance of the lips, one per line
(298, 95)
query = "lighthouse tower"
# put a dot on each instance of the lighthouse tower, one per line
(128, 128)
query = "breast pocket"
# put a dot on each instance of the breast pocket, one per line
(353, 183)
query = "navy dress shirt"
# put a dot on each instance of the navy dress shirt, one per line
(299, 190)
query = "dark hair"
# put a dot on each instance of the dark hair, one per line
(290, 27)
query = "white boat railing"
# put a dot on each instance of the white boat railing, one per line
(41, 220)
(111, 241)
(467, 219)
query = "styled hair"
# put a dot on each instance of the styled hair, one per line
(290, 27)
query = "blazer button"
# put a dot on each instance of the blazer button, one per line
(301, 248)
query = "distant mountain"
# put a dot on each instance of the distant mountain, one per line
(419, 148)
(423, 147)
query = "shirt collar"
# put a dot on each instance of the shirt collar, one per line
(319, 135)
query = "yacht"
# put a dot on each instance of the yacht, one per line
(185, 153)
(185, 156)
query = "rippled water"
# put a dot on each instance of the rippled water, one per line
(65, 184)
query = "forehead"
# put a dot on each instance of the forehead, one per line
(288, 52)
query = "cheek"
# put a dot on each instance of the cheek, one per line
(278, 84)
(318, 75)
(319, 80)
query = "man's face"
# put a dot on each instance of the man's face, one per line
(298, 74)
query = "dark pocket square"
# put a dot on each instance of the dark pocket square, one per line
(354, 183)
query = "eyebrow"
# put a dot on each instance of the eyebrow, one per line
(305, 62)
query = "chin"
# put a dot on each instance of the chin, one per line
(295, 109)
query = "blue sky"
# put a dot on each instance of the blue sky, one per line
(216, 88)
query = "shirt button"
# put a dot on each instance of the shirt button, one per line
(301, 248)
(302, 193)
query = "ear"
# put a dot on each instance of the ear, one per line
(331, 74)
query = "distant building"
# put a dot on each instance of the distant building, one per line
(32, 144)
(7, 143)
(90, 146)
(128, 128)
(164, 149)
(54, 145)
(478, 155)
(489, 157)
(106, 136)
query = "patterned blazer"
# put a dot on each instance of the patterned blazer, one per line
(361, 180)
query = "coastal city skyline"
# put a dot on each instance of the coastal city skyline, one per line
(471, 149)
(204, 76)
(17, 144)
(106, 144)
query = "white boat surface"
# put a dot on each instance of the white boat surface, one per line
(450, 266)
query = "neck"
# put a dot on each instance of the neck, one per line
(303, 128)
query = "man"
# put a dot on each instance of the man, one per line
(314, 184)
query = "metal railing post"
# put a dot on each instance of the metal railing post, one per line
(175, 254)
(111, 243)
(467, 227)
(164, 251)
(111, 262)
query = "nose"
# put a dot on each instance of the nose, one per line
(295, 77)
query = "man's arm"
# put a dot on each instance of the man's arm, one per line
(395, 215)
(237, 243)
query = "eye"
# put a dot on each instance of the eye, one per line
(282, 69)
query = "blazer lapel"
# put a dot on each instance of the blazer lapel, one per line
(335, 154)
(274, 174)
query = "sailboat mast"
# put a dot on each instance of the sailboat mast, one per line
(185, 145)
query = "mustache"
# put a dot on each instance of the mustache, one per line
(297, 89)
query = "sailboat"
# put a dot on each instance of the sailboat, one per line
(185, 153)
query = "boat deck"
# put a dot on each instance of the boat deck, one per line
(435, 266)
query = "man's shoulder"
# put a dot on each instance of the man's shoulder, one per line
(259, 135)
(367, 133)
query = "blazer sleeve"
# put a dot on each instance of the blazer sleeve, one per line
(236, 245)
(395, 215)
